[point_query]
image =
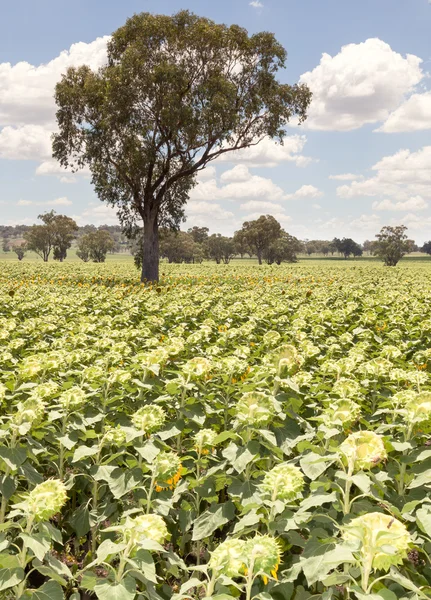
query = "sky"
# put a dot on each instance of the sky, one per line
(361, 160)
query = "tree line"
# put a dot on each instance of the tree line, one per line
(263, 238)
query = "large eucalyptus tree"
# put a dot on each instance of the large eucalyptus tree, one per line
(176, 93)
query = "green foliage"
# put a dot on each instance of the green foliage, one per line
(95, 246)
(230, 432)
(392, 244)
(56, 233)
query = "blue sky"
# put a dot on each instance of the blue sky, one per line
(361, 161)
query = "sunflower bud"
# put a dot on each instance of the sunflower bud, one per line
(255, 408)
(262, 555)
(283, 482)
(197, 367)
(72, 399)
(342, 412)
(205, 437)
(149, 418)
(228, 558)
(114, 436)
(166, 466)
(418, 409)
(382, 541)
(29, 411)
(45, 500)
(145, 527)
(363, 449)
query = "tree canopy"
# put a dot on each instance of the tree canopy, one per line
(392, 244)
(177, 92)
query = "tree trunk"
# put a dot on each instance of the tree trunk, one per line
(150, 263)
(259, 256)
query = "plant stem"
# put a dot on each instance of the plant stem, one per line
(150, 492)
(250, 579)
(346, 504)
(4, 502)
(401, 485)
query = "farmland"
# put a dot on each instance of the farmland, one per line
(233, 431)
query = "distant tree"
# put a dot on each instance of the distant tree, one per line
(6, 244)
(283, 249)
(64, 232)
(220, 248)
(260, 233)
(95, 246)
(20, 250)
(412, 246)
(83, 245)
(241, 244)
(347, 247)
(177, 246)
(426, 247)
(39, 239)
(369, 246)
(56, 233)
(199, 234)
(392, 244)
(176, 93)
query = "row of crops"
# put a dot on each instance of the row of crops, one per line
(232, 432)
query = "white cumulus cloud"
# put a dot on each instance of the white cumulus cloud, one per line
(26, 90)
(361, 84)
(28, 142)
(57, 202)
(413, 203)
(400, 175)
(306, 191)
(269, 153)
(413, 115)
(345, 177)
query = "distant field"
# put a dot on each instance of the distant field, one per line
(126, 257)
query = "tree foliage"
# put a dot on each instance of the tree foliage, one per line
(427, 247)
(177, 93)
(56, 233)
(95, 246)
(259, 234)
(392, 244)
(347, 247)
(283, 249)
(20, 250)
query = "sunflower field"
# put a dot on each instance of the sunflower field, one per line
(231, 432)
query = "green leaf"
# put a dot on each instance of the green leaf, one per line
(80, 521)
(13, 457)
(250, 519)
(144, 563)
(314, 465)
(191, 583)
(317, 500)
(51, 590)
(7, 486)
(148, 451)
(10, 577)
(39, 544)
(422, 479)
(109, 590)
(108, 547)
(239, 457)
(84, 452)
(324, 558)
(212, 519)
(120, 482)
(423, 519)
